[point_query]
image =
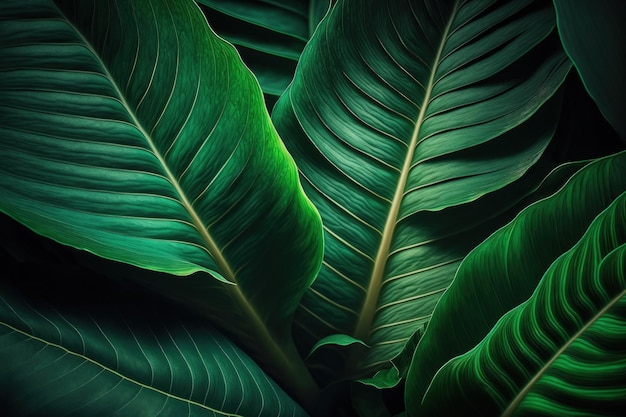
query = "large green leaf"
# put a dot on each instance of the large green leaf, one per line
(390, 377)
(397, 117)
(72, 346)
(559, 353)
(593, 37)
(130, 130)
(269, 35)
(505, 269)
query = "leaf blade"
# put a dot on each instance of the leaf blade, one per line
(110, 351)
(504, 270)
(365, 119)
(123, 134)
(590, 36)
(575, 296)
(269, 36)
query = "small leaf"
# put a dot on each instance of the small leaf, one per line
(383, 379)
(336, 340)
(86, 347)
(391, 377)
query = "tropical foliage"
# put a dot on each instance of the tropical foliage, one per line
(313, 207)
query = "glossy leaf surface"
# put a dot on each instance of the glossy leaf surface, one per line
(130, 130)
(269, 35)
(336, 340)
(398, 115)
(504, 270)
(106, 351)
(560, 352)
(593, 36)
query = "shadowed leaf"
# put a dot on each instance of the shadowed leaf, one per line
(130, 130)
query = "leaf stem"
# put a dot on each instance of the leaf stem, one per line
(285, 363)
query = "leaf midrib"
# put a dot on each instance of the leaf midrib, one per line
(285, 361)
(366, 317)
(522, 394)
(211, 245)
(115, 372)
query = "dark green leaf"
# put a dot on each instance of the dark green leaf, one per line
(269, 35)
(559, 353)
(505, 269)
(368, 401)
(104, 351)
(593, 36)
(397, 116)
(130, 130)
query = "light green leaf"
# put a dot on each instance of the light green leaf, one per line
(107, 353)
(269, 35)
(401, 118)
(559, 353)
(383, 379)
(130, 130)
(593, 37)
(336, 340)
(505, 269)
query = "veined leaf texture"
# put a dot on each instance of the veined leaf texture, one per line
(130, 130)
(134, 131)
(559, 352)
(504, 270)
(114, 352)
(401, 113)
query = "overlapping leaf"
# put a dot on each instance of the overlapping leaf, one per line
(392, 376)
(562, 351)
(269, 35)
(599, 389)
(102, 352)
(130, 130)
(593, 37)
(399, 114)
(505, 269)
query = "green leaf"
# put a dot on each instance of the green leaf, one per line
(103, 351)
(505, 269)
(269, 35)
(559, 353)
(398, 118)
(391, 377)
(593, 37)
(336, 340)
(130, 130)
(383, 379)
